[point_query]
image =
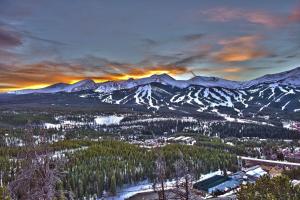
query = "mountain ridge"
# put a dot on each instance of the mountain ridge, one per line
(61, 87)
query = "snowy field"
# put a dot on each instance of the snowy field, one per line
(145, 186)
(98, 120)
(108, 120)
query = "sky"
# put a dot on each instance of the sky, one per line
(43, 42)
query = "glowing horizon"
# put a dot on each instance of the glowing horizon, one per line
(123, 78)
(41, 45)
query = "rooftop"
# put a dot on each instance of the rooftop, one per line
(211, 182)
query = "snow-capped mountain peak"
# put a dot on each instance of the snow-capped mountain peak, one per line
(131, 83)
(291, 77)
(81, 85)
(214, 82)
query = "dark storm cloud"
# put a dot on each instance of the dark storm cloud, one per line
(9, 38)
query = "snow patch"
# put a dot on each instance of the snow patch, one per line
(108, 120)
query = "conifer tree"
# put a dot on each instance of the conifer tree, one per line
(184, 177)
(277, 188)
(160, 176)
(113, 184)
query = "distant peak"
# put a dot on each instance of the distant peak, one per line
(58, 85)
(164, 75)
(297, 69)
(85, 81)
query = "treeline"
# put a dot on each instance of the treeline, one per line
(12, 136)
(109, 165)
(15, 152)
(252, 130)
(11, 157)
(18, 119)
(221, 129)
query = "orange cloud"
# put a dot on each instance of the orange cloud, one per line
(232, 77)
(295, 15)
(43, 74)
(228, 72)
(259, 17)
(137, 72)
(225, 14)
(239, 49)
(222, 69)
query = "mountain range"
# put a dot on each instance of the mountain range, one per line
(273, 94)
(291, 78)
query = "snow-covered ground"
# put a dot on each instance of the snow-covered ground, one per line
(98, 120)
(108, 120)
(159, 119)
(62, 153)
(142, 187)
(289, 125)
(51, 126)
(239, 120)
(145, 186)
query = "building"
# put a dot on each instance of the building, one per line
(217, 183)
(221, 184)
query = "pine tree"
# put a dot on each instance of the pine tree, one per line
(38, 176)
(184, 178)
(277, 188)
(60, 191)
(160, 176)
(113, 185)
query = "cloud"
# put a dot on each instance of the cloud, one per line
(142, 72)
(9, 38)
(149, 42)
(232, 72)
(189, 59)
(31, 46)
(239, 49)
(226, 71)
(193, 37)
(223, 69)
(46, 73)
(195, 56)
(43, 39)
(225, 14)
(295, 15)
(231, 69)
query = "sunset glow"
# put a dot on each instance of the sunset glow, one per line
(41, 45)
